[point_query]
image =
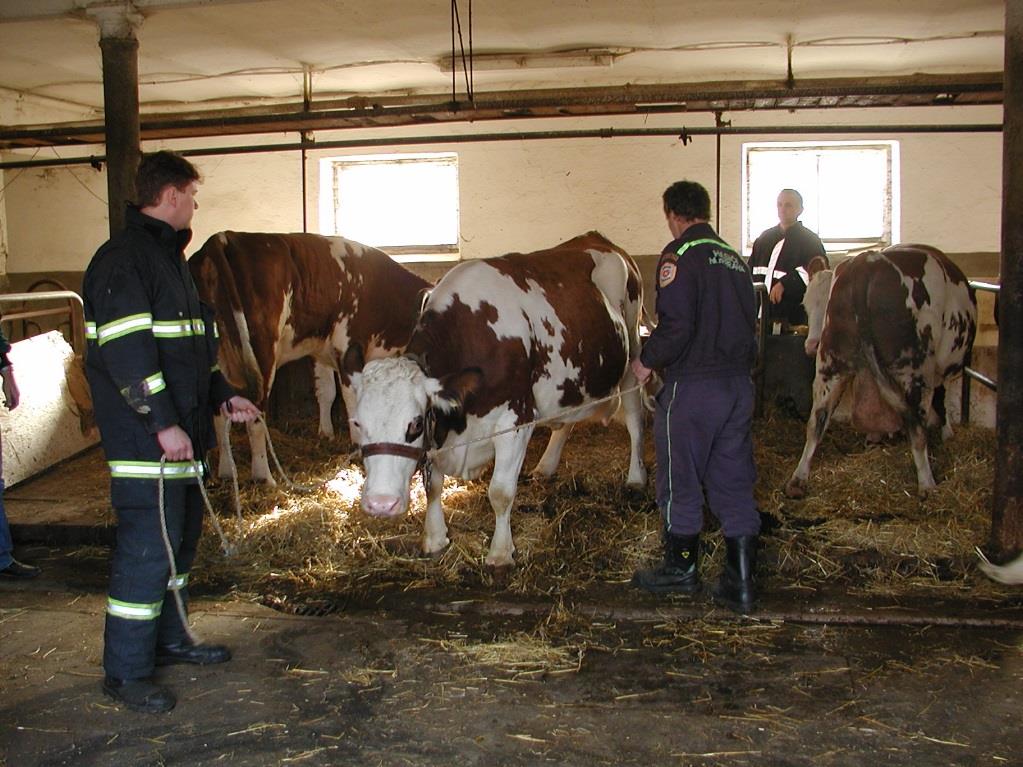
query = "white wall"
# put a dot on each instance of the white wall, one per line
(523, 195)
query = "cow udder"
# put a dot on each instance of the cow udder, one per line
(870, 412)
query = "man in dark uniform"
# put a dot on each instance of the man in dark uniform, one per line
(780, 257)
(152, 367)
(704, 347)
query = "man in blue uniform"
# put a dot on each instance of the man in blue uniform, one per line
(152, 368)
(704, 347)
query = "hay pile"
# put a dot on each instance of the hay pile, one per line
(861, 528)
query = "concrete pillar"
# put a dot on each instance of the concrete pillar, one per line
(120, 49)
(1007, 514)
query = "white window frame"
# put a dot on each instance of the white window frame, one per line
(891, 226)
(331, 169)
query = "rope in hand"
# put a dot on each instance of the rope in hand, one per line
(171, 559)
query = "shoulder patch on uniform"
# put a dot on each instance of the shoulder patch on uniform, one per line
(666, 274)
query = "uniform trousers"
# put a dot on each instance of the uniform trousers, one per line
(704, 451)
(141, 609)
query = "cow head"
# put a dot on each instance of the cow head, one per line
(815, 301)
(400, 412)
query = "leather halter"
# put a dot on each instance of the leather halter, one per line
(420, 455)
(417, 454)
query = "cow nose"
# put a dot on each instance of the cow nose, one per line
(381, 505)
(811, 346)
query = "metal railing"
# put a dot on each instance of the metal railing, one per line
(74, 310)
(969, 374)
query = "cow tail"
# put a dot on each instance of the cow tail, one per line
(217, 286)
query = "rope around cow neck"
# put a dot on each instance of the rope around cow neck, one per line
(536, 421)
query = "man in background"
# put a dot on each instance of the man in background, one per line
(9, 566)
(780, 258)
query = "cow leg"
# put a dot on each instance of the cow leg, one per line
(509, 453)
(633, 406)
(918, 443)
(260, 465)
(326, 391)
(226, 465)
(827, 392)
(551, 457)
(938, 410)
(435, 532)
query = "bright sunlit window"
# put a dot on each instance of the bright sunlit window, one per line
(850, 190)
(405, 204)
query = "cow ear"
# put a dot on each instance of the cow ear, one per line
(458, 389)
(354, 359)
(817, 264)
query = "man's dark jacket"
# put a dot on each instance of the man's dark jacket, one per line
(706, 313)
(800, 247)
(152, 355)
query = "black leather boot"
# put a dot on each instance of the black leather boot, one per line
(735, 588)
(186, 652)
(679, 573)
(139, 694)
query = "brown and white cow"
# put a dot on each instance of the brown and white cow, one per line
(281, 297)
(502, 342)
(896, 324)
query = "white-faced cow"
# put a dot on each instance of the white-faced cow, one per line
(896, 324)
(502, 342)
(281, 297)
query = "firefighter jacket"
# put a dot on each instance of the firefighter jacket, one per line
(151, 358)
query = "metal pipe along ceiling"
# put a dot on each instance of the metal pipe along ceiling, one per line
(683, 134)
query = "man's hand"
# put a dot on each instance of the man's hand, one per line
(239, 410)
(641, 371)
(175, 443)
(777, 291)
(12, 396)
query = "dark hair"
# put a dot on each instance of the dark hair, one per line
(799, 197)
(687, 199)
(159, 169)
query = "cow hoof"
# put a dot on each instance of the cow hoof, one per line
(435, 552)
(795, 489)
(501, 574)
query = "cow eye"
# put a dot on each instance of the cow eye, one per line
(415, 429)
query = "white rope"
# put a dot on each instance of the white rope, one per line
(280, 469)
(228, 548)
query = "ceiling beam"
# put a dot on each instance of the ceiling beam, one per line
(391, 111)
(33, 10)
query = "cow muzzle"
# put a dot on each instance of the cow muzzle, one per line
(385, 504)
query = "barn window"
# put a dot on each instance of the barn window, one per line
(850, 190)
(404, 204)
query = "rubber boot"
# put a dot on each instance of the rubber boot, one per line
(679, 573)
(735, 588)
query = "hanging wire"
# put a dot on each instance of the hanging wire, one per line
(467, 68)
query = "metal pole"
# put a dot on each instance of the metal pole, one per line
(1007, 514)
(120, 49)
(469, 138)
